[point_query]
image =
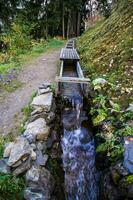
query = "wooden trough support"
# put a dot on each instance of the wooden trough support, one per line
(70, 54)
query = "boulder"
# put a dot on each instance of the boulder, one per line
(37, 130)
(44, 101)
(19, 153)
(7, 150)
(44, 90)
(3, 166)
(33, 194)
(39, 177)
(22, 168)
(41, 159)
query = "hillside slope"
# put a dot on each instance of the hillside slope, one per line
(106, 51)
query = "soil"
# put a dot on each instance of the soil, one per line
(40, 70)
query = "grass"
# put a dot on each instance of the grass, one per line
(27, 56)
(106, 51)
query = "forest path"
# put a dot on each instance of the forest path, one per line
(42, 69)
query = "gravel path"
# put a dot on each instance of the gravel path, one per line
(41, 70)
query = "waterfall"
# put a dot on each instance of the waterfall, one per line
(78, 156)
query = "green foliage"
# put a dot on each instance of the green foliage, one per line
(106, 52)
(11, 188)
(128, 180)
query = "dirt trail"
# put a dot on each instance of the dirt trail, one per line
(41, 70)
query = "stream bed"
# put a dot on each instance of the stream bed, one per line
(77, 144)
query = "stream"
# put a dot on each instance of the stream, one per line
(77, 144)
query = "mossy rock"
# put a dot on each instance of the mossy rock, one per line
(126, 181)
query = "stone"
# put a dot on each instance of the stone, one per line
(7, 150)
(33, 174)
(130, 108)
(44, 101)
(37, 111)
(39, 177)
(120, 169)
(20, 151)
(33, 194)
(37, 130)
(126, 186)
(98, 81)
(128, 153)
(33, 155)
(41, 159)
(41, 146)
(43, 91)
(44, 135)
(22, 168)
(3, 166)
(50, 118)
(33, 146)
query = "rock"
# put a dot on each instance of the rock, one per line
(41, 146)
(37, 111)
(41, 159)
(130, 108)
(44, 135)
(39, 177)
(3, 166)
(44, 101)
(33, 146)
(19, 152)
(45, 85)
(126, 186)
(43, 91)
(50, 118)
(33, 174)
(99, 81)
(115, 176)
(22, 168)
(33, 194)
(110, 191)
(120, 169)
(37, 130)
(7, 150)
(33, 155)
(51, 139)
(128, 153)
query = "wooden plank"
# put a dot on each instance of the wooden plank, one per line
(69, 54)
(79, 71)
(72, 80)
(61, 69)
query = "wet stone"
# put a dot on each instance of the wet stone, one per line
(128, 154)
(33, 194)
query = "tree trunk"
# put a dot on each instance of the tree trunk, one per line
(63, 21)
(68, 24)
(78, 24)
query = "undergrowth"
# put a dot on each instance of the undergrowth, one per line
(106, 57)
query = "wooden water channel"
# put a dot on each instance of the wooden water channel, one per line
(70, 56)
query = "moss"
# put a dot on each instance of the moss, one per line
(128, 180)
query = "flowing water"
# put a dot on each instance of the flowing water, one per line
(77, 145)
